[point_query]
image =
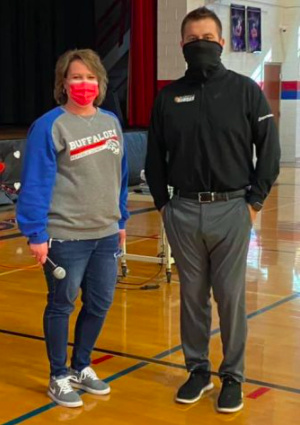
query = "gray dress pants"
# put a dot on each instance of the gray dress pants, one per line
(210, 244)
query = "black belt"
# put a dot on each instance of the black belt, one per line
(208, 197)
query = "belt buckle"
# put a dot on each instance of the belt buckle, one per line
(205, 197)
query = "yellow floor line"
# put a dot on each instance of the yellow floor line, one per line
(18, 270)
(138, 241)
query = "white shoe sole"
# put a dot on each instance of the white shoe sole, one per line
(230, 410)
(90, 390)
(65, 403)
(204, 390)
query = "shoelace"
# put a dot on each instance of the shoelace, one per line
(64, 385)
(88, 372)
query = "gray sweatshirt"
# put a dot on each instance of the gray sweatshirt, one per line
(74, 183)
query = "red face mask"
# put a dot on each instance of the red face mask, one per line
(84, 92)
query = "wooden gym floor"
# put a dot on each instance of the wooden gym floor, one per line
(139, 349)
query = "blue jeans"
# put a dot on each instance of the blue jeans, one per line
(92, 266)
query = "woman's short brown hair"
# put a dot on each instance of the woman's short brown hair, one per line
(91, 60)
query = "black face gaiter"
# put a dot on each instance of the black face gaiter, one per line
(202, 57)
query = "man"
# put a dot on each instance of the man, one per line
(203, 130)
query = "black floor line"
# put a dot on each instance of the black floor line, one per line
(153, 360)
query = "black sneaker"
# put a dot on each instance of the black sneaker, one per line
(193, 389)
(231, 397)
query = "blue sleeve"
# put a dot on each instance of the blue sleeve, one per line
(37, 182)
(124, 191)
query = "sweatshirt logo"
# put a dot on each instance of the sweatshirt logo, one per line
(182, 99)
(108, 140)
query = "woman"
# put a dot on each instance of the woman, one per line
(72, 208)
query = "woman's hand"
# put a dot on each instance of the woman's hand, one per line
(39, 251)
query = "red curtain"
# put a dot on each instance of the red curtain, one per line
(143, 62)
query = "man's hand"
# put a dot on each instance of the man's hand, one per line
(39, 251)
(253, 213)
(161, 211)
(122, 237)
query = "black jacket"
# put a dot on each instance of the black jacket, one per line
(202, 135)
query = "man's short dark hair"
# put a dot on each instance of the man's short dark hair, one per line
(200, 14)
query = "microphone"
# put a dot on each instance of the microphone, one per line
(57, 271)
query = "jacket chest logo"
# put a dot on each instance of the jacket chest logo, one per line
(184, 99)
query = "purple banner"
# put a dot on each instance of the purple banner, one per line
(254, 29)
(238, 28)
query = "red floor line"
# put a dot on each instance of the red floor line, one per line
(102, 359)
(258, 393)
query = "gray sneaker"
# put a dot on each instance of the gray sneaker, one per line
(62, 393)
(88, 381)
